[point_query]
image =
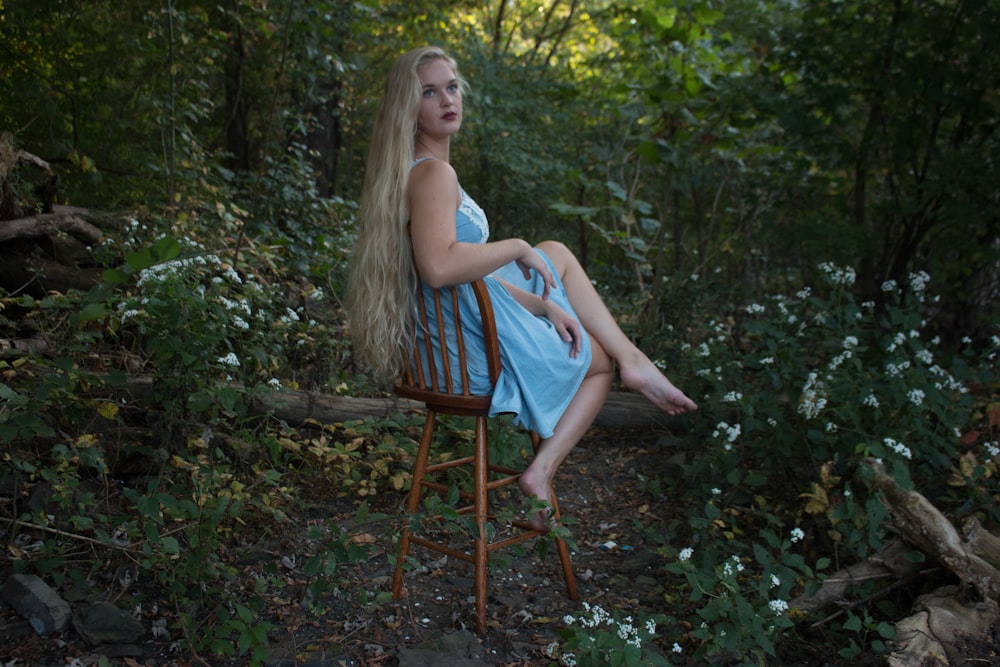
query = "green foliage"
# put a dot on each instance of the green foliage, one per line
(800, 390)
(697, 156)
(598, 637)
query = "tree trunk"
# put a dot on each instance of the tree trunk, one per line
(622, 410)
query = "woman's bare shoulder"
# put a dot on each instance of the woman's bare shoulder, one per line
(431, 177)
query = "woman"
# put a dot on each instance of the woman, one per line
(559, 343)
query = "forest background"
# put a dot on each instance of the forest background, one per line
(792, 206)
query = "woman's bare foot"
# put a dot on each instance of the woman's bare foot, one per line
(641, 375)
(536, 489)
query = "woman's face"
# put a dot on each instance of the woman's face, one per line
(441, 100)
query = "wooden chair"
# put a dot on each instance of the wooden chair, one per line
(446, 398)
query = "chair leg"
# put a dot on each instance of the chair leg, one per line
(481, 509)
(567, 564)
(413, 501)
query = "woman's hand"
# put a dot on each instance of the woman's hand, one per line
(567, 326)
(532, 260)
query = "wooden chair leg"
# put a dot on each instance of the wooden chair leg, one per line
(482, 510)
(567, 564)
(413, 501)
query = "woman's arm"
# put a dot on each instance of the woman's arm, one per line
(440, 259)
(567, 325)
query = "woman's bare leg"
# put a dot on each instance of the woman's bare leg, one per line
(536, 480)
(637, 371)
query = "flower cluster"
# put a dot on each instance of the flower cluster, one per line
(730, 432)
(613, 636)
(839, 275)
(813, 398)
(898, 447)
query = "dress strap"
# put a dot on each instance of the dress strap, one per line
(419, 160)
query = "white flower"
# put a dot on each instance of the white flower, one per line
(889, 286)
(732, 397)
(778, 606)
(895, 370)
(775, 582)
(766, 360)
(797, 534)
(732, 566)
(685, 554)
(916, 396)
(919, 280)
(274, 383)
(803, 293)
(755, 309)
(850, 342)
(870, 400)
(839, 275)
(731, 432)
(677, 648)
(813, 398)
(898, 447)
(230, 360)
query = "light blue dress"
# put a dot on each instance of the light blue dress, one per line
(538, 376)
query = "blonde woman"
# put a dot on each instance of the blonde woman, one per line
(559, 343)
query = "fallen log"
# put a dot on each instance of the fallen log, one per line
(622, 410)
(890, 564)
(48, 224)
(950, 614)
(926, 528)
(931, 636)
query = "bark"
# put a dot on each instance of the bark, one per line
(890, 564)
(44, 225)
(945, 619)
(933, 635)
(622, 410)
(926, 528)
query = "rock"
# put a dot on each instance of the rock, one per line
(104, 623)
(458, 649)
(33, 599)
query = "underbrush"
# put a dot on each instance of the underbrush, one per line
(135, 446)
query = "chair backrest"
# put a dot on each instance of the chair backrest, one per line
(438, 372)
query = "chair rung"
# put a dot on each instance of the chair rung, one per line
(440, 548)
(527, 534)
(448, 465)
(530, 534)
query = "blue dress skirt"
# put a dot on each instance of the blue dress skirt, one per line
(538, 376)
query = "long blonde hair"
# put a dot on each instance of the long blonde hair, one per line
(380, 296)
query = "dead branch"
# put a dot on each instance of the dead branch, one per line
(925, 527)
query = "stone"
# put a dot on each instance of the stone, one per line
(37, 602)
(104, 623)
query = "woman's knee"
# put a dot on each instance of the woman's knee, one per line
(562, 257)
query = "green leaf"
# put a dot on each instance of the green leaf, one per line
(170, 546)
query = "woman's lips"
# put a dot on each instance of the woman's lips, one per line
(451, 115)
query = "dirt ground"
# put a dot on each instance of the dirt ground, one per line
(599, 487)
